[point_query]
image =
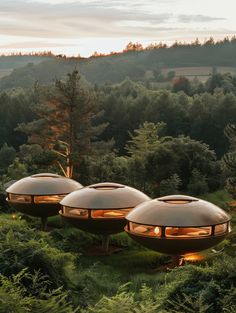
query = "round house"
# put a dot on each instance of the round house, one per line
(40, 195)
(178, 224)
(101, 208)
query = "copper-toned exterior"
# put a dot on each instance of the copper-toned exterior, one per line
(45, 184)
(101, 196)
(105, 196)
(178, 212)
(195, 212)
(177, 246)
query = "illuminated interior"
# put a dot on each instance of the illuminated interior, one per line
(96, 214)
(188, 231)
(107, 187)
(48, 198)
(19, 198)
(120, 213)
(178, 232)
(82, 213)
(145, 230)
(176, 201)
(221, 229)
(37, 199)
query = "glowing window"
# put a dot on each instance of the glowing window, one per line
(19, 198)
(145, 230)
(110, 213)
(177, 201)
(81, 213)
(48, 199)
(188, 232)
(220, 229)
(105, 188)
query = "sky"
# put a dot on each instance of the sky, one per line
(80, 27)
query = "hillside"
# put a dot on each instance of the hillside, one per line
(53, 271)
(9, 63)
(143, 65)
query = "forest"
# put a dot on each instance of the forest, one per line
(175, 140)
(153, 65)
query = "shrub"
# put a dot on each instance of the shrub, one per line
(22, 247)
(126, 301)
(15, 297)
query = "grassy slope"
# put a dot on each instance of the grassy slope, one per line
(96, 276)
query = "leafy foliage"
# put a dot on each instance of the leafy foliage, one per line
(21, 247)
(15, 297)
(124, 301)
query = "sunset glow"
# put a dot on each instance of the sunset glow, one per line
(81, 27)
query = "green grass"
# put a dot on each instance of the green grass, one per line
(219, 197)
(89, 278)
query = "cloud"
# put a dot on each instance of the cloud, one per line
(33, 44)
(75, 19)
(62, 23)
(198, 18)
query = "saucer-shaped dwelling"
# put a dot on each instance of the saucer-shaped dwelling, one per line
(40, 195)
(178, 224)
(101, 208)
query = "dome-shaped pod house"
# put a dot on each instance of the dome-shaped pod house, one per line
(101, 208)
(178, 225)
(39, 195)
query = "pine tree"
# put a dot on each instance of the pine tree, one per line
(64, 123)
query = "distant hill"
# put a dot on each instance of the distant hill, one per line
(16, 61)
(138, 65)
(9, 63)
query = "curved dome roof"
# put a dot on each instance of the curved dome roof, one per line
(44, 184)
(178, 211)
(105, 196)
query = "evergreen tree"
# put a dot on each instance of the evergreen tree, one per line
(64, 123)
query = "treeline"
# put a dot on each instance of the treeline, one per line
(137, 46)
(116, 67)
(159, 141)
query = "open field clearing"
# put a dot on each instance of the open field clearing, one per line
(202, 72)
(5, 72)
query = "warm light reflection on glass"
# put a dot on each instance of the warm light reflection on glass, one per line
(48, 199)
(145, 230)
(188, 232)
(19, 198)
(177, 201)
(80, 213)
(220, 229)
(105, 188)
(117, 213)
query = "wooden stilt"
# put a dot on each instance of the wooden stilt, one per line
(105, 242)
(44, 221)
